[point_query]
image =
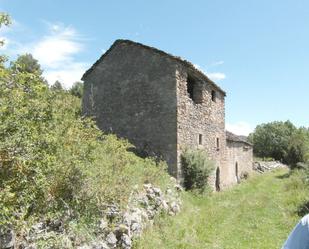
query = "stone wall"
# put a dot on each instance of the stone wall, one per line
(264, 166)
(203, 121)
(115, 228)
(132, 93)
(239, 160)
(162, 105)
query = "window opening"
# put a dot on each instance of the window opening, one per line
(200, 139)
(194, 90)
(213, 95)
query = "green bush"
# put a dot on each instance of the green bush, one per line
(77, 89)
(196, 168)
(54, 162)
(281, 141)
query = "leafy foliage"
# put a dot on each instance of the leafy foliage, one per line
(197, 168)
(54, 162)
(77, 89)
(57, 86)
(26, 63)
(281, 141)
(6, 21)
(298, 149)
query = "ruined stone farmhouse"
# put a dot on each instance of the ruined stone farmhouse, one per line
(163, 104)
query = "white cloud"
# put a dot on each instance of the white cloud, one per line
(56, 52)
(68, 75)
(58, 48)
(217, 63)
(240, 128)
(216, 76)
(198, 67)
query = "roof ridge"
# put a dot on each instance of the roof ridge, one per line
(177, 58)
(236, 138)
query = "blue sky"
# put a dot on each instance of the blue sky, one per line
(258, 51)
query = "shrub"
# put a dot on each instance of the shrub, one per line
(52, 161)
(281, 141)
(77, 89)
(244, 175)
(196, 168)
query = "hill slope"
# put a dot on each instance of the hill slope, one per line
(259, 214)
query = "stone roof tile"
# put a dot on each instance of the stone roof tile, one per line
(235, 138)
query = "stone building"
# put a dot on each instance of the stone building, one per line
(163, 104)
(239, 157)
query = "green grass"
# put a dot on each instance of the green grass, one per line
(259, 214)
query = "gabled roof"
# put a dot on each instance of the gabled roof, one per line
(184, 62)
(235, 138)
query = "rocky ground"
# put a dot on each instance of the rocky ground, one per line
(115, 229)
(263, 166)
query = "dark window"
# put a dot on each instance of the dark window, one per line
(218, 144)
(200, 139)
(213, 95)
(194, 90)
(190, 87)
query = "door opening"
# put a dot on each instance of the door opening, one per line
(236, 172)
(218, 179)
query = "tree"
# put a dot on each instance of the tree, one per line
(77, 89)
(57, 86)
(54, 162)
(27, 64)
(298, 149)
(281, 141)
(272, 139)
(4, 20)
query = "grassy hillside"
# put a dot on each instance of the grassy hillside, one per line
(256, 214)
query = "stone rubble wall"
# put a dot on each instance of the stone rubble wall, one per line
(263, 166)
(240, 154)
(115, 229)
(206, 118)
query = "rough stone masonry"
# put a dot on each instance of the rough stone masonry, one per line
(163, 104)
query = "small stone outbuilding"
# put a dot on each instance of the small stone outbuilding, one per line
(239, 157)
(163, 104)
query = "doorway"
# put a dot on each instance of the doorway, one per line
(236, 172)
(218, 179)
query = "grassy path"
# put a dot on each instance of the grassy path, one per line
(257, 214)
